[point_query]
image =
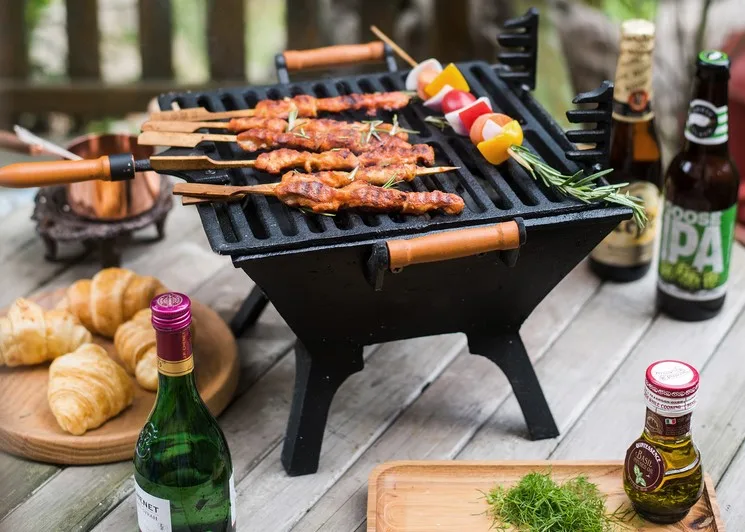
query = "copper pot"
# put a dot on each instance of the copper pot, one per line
(115, 200)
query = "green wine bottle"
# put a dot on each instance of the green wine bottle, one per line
(183, 472)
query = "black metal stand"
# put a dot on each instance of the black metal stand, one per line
(317, 377)
(508, 352)
(250, 310)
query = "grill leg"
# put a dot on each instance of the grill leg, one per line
(317, 377)
(250, 310)
(508, 352)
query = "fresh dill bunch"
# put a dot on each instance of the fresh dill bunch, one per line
(538, 504)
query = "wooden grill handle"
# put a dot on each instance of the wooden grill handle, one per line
(107, 167)
(341, 54)
(454, 244)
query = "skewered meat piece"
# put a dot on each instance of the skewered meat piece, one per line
(388, 155)
(256, 122)
(276, 161)
(303, 191)
(375, 175)
(308, 124)
(309, 106)
(354, 141)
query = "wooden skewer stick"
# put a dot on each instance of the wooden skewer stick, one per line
(396, 48)
(182, 140)
(182, 126)
(200, 113)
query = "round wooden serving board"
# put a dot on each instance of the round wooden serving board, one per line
(28, 428)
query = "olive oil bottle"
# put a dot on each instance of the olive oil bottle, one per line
(663, 476)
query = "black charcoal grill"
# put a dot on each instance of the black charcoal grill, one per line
(332, 280)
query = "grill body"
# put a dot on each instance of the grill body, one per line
(330, 279)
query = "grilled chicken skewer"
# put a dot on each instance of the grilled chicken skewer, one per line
(307, 107)
(263, 139)
(238, 125)
(274, 162)
(308, 192)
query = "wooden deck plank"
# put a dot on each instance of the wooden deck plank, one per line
(456, 396)
(365, 407)
(730, 490)
(19, 478)
(576, 367)
(695, 343)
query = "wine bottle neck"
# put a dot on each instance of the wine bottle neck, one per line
(174, 352)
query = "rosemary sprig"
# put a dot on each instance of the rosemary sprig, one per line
(397, 128)
(291, 118)
(392, 182)
(301, 134)
(437, 121)
(579, 186)
(309, 212)
(353, 174)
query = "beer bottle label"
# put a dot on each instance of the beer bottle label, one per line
(707, 124)
(626, 245)
(695, 252)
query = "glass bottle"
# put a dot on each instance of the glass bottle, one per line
(663, 475)
(698, 223)
(183, 472)
(626, 254)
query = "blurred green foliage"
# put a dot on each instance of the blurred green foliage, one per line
(626, 9)
(34, 9)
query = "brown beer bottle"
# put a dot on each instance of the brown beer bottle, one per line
(626, 254)
(700, 203)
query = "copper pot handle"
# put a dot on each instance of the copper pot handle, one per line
(342, 54)
(454, 244)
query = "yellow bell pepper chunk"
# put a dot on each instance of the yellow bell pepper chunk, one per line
(449, 76)
(494, 150)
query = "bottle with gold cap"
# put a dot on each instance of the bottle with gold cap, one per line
(626, 254)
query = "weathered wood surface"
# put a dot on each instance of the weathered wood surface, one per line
(419, 399)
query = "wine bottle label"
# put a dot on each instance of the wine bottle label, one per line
(626, 245)
(153, 513)
(232, 498)
(644, 466)
(695, 252)
(671, 427)
(632, 92)
(707, 124)
(175, 369)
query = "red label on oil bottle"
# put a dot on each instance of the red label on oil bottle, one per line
(644, 467)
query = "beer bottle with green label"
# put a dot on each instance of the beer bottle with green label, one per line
(626, 254)
(700, 208)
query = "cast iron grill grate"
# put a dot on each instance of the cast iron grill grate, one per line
(260, 225)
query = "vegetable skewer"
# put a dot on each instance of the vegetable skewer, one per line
(307, 107)
(307, 192)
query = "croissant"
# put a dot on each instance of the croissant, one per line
(135, 343)
(31, 335)
(112, 297)
(86, 388)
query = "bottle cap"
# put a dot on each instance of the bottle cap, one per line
(171, 312)
(671, 387)
(713, 61)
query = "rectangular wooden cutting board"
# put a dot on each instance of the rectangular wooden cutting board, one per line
(447, 496)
